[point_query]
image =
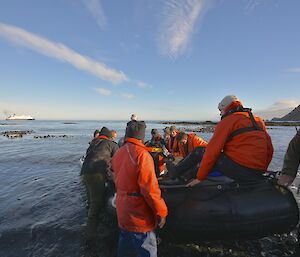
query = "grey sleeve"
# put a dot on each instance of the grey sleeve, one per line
(292, 157)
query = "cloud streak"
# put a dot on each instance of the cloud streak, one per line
(293, 70)
(95, 8)
(103, 91)
(61, 52)
(179, 20)
(127, 95)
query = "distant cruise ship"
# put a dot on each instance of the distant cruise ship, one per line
(19, 117)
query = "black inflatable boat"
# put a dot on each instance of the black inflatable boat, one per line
(220, 209)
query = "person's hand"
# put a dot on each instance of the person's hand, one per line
(194, 182)
(285, 180)
(161, 222)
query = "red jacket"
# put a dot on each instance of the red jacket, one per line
(139, 201)
(252, 149)
(192, 142)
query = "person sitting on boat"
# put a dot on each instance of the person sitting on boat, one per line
(188, 142)
(167, 134)
(114, 135)
(240, 148)
(94, 175)
(291, 162)
(158, 150)
(156, 139)
(140, 207)
(172, 142)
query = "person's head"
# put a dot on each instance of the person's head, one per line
(114, 135)
(182, 137)
(136, 129)
(155, 133)
(96, 133)
(134, 117)
(228, 103)
(167, 132)
(105, 132)
(173, 131)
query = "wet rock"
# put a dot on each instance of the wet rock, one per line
(16, 133)
(52, 136)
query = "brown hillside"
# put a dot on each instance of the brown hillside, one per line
(294, 115)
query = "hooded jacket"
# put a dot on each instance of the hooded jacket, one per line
(253, 149)
(139, 201)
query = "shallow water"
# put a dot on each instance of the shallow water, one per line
(42, 209)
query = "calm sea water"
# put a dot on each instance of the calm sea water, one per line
(42, 209)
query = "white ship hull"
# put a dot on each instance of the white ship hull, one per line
(20, 117)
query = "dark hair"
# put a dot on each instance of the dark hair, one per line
(105, 132)
(181, 135)
(96, 132)
(154, 132)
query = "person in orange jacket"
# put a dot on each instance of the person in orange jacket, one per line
(140, 207)
(240, 148)
(172, 142)
(188, 142)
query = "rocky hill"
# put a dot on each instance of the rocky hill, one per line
(294, 115)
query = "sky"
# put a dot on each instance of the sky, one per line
(160, 59)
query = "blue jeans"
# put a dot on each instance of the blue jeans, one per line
(136, 244)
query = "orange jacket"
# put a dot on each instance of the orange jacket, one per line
(252, 149)
(139, 201)
(192, 142)
(173, 148)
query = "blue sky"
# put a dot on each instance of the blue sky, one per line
(161, 59)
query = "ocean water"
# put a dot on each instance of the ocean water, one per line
(42, 207)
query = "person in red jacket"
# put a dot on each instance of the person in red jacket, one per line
(188, 142)
(240, 148)
(140, 207)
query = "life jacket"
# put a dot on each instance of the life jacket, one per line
(255, 126)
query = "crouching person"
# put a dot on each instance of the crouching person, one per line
(140, 208)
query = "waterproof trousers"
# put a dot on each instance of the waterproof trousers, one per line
(95, 190)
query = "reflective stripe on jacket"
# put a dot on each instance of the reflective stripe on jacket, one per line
(139, 201)
(193, 141)
(253, 149)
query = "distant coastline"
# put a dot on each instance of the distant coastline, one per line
(211, 123)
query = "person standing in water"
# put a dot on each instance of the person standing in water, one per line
(94, 175)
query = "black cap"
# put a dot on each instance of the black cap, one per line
(105, 132)
(154, 132)
(136, 129)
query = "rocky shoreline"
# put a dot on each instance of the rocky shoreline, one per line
(209, 126)
(20, 133)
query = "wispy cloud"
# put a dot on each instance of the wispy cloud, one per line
(293, 70)
(143, 85)
(103, 91)
(127, 95)
(61, 52)
(284, 103)
(278, 109)
(179, 21)
(95, 8)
